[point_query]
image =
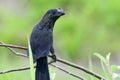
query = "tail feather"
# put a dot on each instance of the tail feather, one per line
(42, 71)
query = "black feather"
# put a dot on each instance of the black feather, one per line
(41, 42)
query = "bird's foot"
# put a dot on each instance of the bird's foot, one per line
(54, 59)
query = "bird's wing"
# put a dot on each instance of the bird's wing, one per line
(40, 45)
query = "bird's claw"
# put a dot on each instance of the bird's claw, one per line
(54, 58)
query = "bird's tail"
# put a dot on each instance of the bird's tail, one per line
(42, 71)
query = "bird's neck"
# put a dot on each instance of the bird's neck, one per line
(48, 24)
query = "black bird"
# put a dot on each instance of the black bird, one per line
(41, 42)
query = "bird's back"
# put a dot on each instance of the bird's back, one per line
(41, 41)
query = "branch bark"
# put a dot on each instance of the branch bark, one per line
(58, 59)
(27, 68)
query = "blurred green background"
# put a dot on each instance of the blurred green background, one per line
(89, 26)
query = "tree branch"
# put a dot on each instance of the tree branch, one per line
(74, 75)
(13, 51)
(80, 68)
(14, 70)
(58, 59)
(27, 68)
(13, 46)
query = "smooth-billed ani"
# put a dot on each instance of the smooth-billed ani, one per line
(41, 41)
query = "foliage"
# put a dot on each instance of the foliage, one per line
(109, 70)
(31, 62)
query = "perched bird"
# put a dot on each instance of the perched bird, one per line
(41, 42)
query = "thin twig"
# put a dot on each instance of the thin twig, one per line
(74, 75)
(59, 60)
(13, 46)
(81, 68)
(14, 70)
(27, 68)
(13, 51)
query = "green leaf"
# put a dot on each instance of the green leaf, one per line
(100, 57)
(108, 58)
(31, 62)
(115, 68)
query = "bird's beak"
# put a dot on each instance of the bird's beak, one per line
(61, 11)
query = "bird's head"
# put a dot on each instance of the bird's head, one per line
(54, 13)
